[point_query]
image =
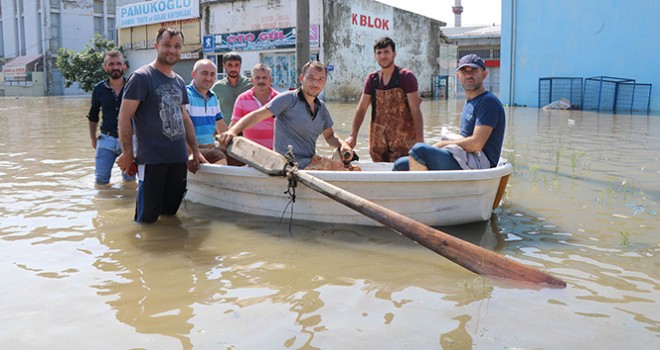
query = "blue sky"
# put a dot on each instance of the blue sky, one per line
(475, 12)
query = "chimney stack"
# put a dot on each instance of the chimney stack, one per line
(457, 9)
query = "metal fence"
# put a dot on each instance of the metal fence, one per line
(555, 88)
(602, 93)
(633, 98)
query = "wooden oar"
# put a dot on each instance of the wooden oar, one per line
(466, 254)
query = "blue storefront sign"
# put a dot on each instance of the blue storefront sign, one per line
(209, 43)
(257, 40)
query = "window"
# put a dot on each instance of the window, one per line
(111, 7)
(54, 31)
(98, 6)
(112, 32)
(98, 25)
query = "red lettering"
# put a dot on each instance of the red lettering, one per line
(370, 22)
(249, 37)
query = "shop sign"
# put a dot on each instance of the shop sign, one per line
(267, 39)
(156, 11)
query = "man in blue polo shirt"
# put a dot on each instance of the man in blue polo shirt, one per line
(106, 98)
(204, 110)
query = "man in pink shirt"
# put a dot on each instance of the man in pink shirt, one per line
(254, 99)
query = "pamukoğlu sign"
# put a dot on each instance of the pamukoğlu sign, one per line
(157, 11)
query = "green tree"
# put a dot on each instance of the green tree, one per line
(85, 67)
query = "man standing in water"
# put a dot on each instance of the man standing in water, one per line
(396, 119)
(482, 128)
(106, 97)
(154, 101)
(300, 117)
(232, 85)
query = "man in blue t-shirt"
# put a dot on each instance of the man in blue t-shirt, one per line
(154, 106)
(482, 128)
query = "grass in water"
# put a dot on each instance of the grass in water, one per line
(574, 160)
(625, 236)
(557, 158)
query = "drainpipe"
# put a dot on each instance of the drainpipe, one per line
(45, 45)
(302, 34)
(512, 73)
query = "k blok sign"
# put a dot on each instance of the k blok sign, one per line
(370, 21)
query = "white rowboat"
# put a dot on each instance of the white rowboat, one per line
(435, 198)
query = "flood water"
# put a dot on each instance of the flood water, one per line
(77, 273)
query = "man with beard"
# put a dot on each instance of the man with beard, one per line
(253, 99)
(482, 128)
(300, 117)
(396, 119)
(106, 97)
(232, 85)
(154, 102)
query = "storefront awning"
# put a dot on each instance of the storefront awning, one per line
(19, 66)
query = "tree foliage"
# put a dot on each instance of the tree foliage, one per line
(85, 67)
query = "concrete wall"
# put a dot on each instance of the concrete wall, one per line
(34, 88)
(77, 18)
(567, 38)
(9, 29)
(350, 29)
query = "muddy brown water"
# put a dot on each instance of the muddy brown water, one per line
(582, 204)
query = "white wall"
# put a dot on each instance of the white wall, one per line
(586, 38)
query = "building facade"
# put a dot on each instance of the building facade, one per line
(342, 34)
(33, 31)
(588, 38)
(483, 41)
(138, 23)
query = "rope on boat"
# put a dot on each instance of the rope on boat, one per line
(289, 171)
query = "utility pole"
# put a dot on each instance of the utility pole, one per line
(302, 34)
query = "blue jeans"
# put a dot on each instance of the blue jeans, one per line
(432, 157)
(107, 151)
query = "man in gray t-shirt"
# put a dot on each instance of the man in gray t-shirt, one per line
(153, 107)
(300, 117)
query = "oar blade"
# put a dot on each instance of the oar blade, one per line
(472, 257)
(257, 156)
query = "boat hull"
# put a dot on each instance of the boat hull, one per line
(436, 198)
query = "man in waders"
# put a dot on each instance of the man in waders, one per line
(396, 119)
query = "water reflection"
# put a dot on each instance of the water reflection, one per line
(582, 204)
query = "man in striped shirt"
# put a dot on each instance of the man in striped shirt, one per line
(253, 99)
(204, 110)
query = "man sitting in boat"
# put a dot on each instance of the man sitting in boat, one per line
(482, 128)
(204, 110)
(253, 99)
(300, 117)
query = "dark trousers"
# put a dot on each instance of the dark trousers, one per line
(161, 191)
